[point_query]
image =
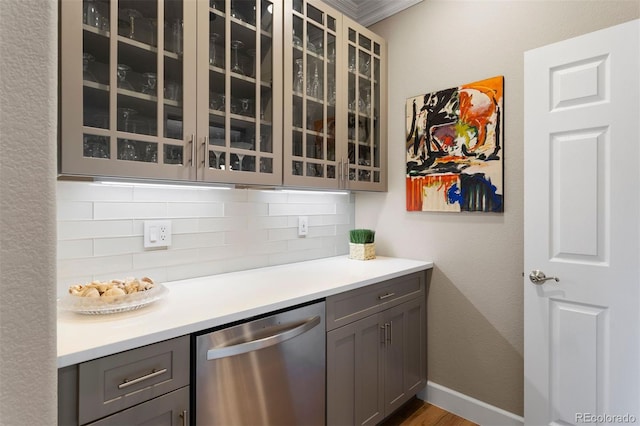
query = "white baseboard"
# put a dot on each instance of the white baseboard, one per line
(470, 408)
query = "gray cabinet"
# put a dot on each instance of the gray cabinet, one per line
(376, 350)
(150, 383)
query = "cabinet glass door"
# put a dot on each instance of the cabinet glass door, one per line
(238, 134)
(311, 85)
(366, 151)
(133, 118)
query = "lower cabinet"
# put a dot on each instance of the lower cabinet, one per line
(376, 363)
(146, 385)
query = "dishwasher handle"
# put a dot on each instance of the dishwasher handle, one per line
(264, 342)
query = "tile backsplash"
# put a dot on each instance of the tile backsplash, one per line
(214, 230)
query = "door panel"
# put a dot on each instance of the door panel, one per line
(581, 225)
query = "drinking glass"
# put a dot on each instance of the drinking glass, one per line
(299, 83)
(235, 45)
(122, 77)
(87, 75)
(128, 151)
(91, 15)
(314, 89)
(149, 86)
(177, 31)
(245, 104)
(213, 60)
(124, 116)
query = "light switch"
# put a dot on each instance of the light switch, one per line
(157, 233)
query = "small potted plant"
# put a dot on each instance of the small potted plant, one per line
(361, 244)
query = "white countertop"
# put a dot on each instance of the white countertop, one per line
(201, 303)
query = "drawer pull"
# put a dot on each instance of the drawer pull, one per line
(386, 296)
(153, 373)
(184, 417)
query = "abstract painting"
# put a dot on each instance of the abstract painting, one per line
(454, 149)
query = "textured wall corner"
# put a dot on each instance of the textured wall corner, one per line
(28, 114)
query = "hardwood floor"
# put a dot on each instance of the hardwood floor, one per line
(419, 413)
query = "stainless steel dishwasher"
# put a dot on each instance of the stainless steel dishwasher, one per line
(267, 371)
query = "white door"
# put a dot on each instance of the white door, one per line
(582, 215)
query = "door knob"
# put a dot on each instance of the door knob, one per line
(538, 277)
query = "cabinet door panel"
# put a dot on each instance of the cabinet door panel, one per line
(239, 74)
(354, 373)
(167, 410)
(123, 84)
(405, 360)
(312, 81)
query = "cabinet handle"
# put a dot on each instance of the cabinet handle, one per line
(390, 332)
(340, 183)
(383, 334)
(193, 149)
(153, 373)
(204, 150)
(386, 296)
(184, 417)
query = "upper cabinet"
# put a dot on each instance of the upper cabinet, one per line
(235, 91)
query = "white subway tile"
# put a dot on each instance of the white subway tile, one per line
(74, 210)
(222, 252)
(283, 234)
(299, 256)
(267, 197)
(267, 247)
(304, 244)
(186, 210)
(317, 198)
(115, 246)
(168, 193)
(222, 224)
(197, 240)
(89, 191)
(301, 209)
(321, 231)
(74, 230)
(94, 265)
(102, 210)
(268, 222)
(245, 209)
(75, 249)
(163, 257)
(213, 195)
(245, 237)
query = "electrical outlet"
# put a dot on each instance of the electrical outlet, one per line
(303, 226)
(157, 233)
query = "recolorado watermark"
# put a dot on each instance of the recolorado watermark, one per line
(605, 418)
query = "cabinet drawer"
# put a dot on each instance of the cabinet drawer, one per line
(353, 305)
(110, 384)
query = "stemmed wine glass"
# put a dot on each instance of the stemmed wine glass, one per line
(245, 103)
(299, 83)
(213, 60)
(149, 86)
(122, 77)
(235, 45)
(314, 89)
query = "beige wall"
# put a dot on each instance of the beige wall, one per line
(475, 309)
(28, 52)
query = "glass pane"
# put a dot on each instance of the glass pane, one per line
(96, 108)
(331, 142)
(95, 146)
(364, 176)
(217, 5)
(173, 123)
(242, 162)
(352, 35)
(352, 59)
(365, 42)
(296, 146)
(315, 40)
(216, 130)
(315, 78)
(364, 64)
(315, 117)
(266, 165)
(132, 150)
(243, 135)
(266, 60)
(315, 14)
(296, 168)
(173, 154)
(297, 6)
(266, 143)
(266, 21)
(297, 111)
(315, 170)
(96, 14)
(244, 11)
(331, 172)
(297, 32)
(217, 160)
(266, 111)
(136, 21)
(364, 156)
(315, 147)
(376, 48)
(331, 22)
(376, 176)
